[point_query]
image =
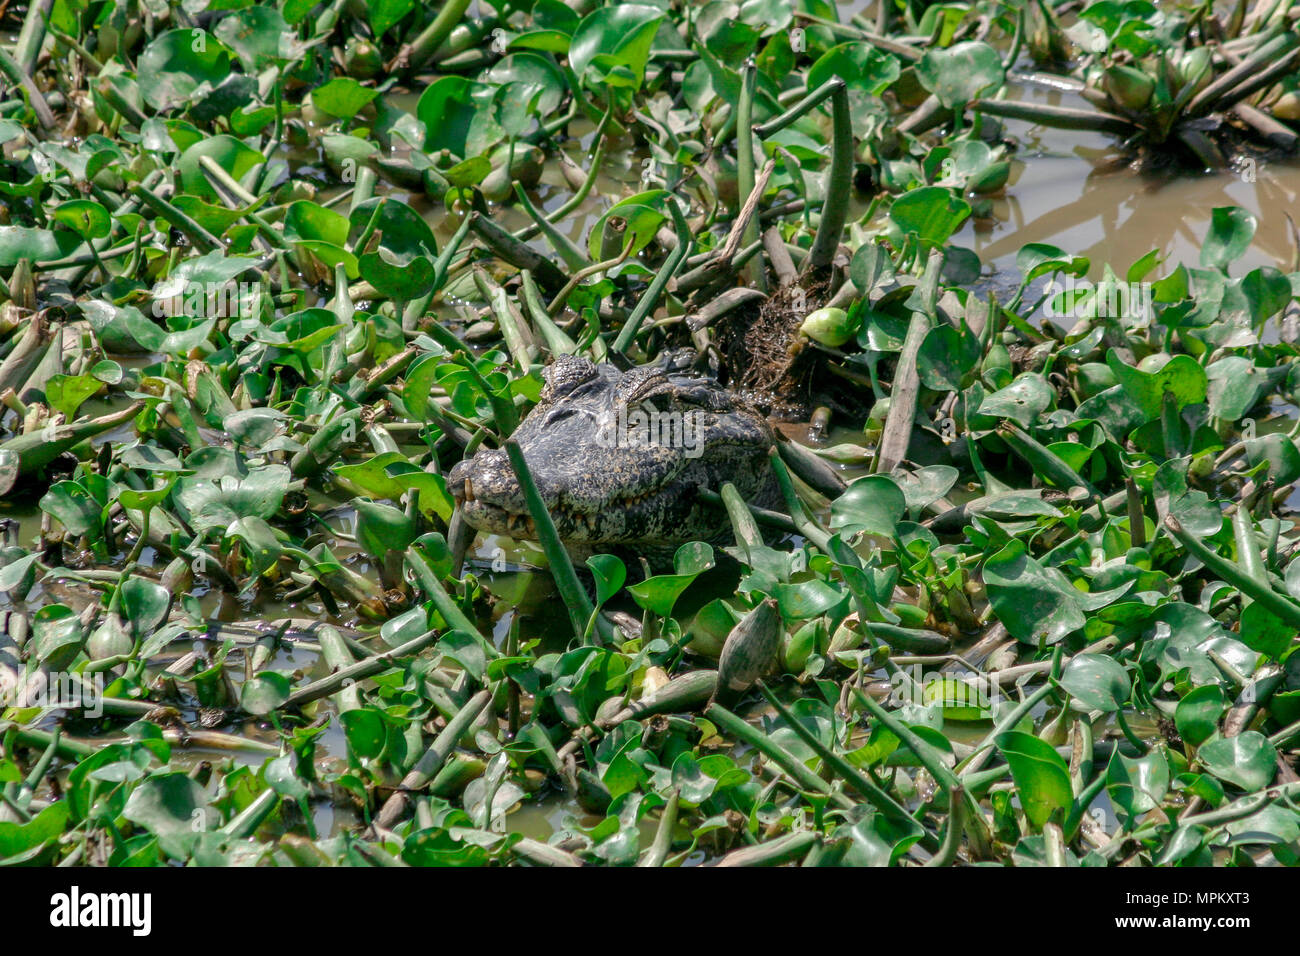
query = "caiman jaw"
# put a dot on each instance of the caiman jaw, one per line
(577, 525)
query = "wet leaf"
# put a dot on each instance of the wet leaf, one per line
(264, 692)
(1138, 785)
(178, 64)
(615, 36)
(961, 73)
(173, 808)
(873, 504)
(1247, 760)
(931, 214)
(1231, 229)
(1198, 713)
(1097, 682)
(1036, 603)
(1041, 775)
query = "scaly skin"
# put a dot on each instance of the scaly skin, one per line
(611, 475)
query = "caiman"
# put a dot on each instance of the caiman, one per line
(618, 457)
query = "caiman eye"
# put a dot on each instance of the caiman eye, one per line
(698, 396)
(559, 414)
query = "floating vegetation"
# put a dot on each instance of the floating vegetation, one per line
(566, 433)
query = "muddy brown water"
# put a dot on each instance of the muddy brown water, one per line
(1075, 190)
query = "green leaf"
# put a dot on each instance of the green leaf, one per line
(1182, 375)
(384, 14)
(169, 805)
(807, 599)
(466, 650)
(1022, 401)
(533, 80)
(1280, 453)
(861, 66)
(660, 592)
(1231, 230)
(282, 776)
(619, 35)
(1273, 826)
(343, 97)
(229, 153)
(38, 245)
(306, 221)
(179, 64)
(1264, 631)
(925, 485)
(215, 504)
(1037, 259)
(642, 214)
(1097, 682)
(961, 73)
(1198, 713)
(931, 214)
(365, 731)
(873, 504)
(401, 230)
(65, 393)
(264, 692)
(1247, 760)
(456, 118)
(87, 218)
(1042, 777)
(260, 37)
(382, 528)
(1138, 786)
(75, 508)
(402, 281)
(947, 356)
(19, 841)
(1035, 603)
(261, 546)
(58, 636)
(145, 605)
(610, 574)
(1236, 385)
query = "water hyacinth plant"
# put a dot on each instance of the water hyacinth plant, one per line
(1020, 584)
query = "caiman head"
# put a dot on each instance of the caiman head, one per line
(618, 457)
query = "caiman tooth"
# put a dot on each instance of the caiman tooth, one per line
(750, 652)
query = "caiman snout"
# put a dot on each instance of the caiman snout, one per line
(486, 478)
(459, 481)
(489, 494)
